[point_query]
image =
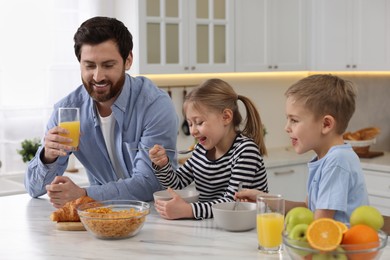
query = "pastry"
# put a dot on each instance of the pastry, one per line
(367, 133)
(68, 213)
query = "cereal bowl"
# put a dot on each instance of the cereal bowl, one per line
(189, 196)
(113, 219)
(298, 250)
(241, 219)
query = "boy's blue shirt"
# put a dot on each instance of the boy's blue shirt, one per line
(336, 182)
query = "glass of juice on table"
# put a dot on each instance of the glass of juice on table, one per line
(270, 223)
(69, 118)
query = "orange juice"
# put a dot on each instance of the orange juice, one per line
(269, 229)
(74, 132)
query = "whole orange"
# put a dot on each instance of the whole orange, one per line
(360, 237)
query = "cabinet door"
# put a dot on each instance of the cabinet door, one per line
(211, 36)
(185, 36)
(378, 188)
(163, 26)
(287, 43)
(371, 35)
(332, 43)
(270, 35)
(351, 35)
(290, 181)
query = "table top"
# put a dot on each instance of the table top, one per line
(28, 233)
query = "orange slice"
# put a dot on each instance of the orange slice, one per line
(324, 234)
(344, 228)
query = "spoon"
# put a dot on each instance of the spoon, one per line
(166, 149)
(237, 201)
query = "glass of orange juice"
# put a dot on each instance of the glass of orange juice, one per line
(270, 223)
(69, 118)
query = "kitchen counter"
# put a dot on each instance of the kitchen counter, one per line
(287, 156)
(28, 233)
(283, 156)
(380, 163)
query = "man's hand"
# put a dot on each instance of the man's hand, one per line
(53, 144)
(63, 189)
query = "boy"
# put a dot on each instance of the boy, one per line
(318, 110)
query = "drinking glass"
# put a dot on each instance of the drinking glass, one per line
(270, 223)
(69, 118)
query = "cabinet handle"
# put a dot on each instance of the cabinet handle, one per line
(185, 68)
(270, 66)
(276, 66)
(284, 172)
(354, 66)
(348, 66)
(193, 68)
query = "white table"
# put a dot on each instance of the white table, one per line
(28, 233)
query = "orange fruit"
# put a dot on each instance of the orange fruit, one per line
(324, 234)
(361, 237)
(344, 228)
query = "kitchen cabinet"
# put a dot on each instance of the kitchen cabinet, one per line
(350, 35)
(290, 181)
(181, 36)
(271, 35)
(378, 187)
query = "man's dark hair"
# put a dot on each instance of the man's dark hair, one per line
(100, 29)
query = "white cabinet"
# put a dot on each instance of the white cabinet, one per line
(271, 35)
(378, 187)
(351, 35)
(290, 181)
(180, 36)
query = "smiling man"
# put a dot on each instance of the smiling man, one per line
(118, 113)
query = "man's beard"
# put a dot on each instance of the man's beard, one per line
(114, 89)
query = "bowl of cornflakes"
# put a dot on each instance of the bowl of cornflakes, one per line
(113, 219)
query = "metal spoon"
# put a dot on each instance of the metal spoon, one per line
(237, 201)
(166, 149)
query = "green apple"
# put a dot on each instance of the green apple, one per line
(298, 232)
(298, 215)
(367, 215)
(338, 255)
(297, 237)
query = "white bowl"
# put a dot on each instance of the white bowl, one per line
(189, 196)
(241, 219)
(360, 143)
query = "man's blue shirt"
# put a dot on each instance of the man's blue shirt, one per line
(144, 116)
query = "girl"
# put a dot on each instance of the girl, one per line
(223, 157)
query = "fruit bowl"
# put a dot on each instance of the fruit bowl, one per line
(113, 219)
(301, 250)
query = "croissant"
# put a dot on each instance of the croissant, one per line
(68, 213)
(367, 133)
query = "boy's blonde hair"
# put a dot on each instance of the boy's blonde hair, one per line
(326, 95)
(218, 95)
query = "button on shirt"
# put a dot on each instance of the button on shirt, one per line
(144, 116)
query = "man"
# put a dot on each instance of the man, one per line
(118, 115)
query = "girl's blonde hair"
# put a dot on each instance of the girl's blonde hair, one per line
(219, 95)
